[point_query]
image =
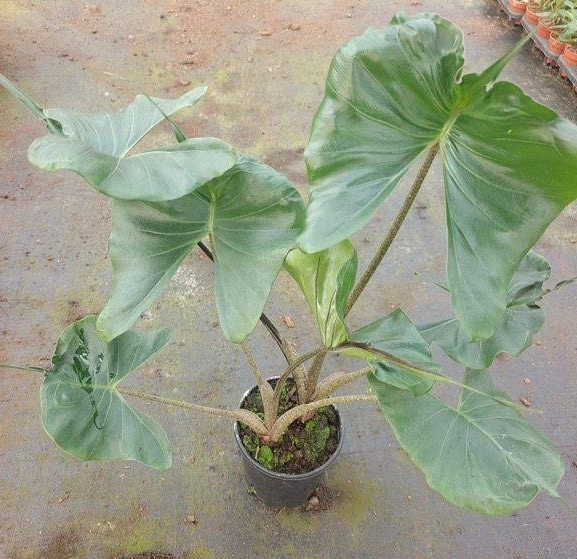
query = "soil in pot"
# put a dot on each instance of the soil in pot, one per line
(304, 447)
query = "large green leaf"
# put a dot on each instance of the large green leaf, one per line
(509, 164)
(521, 320)
(253, 216)
(397, 336)
(479, 454)
(326, 278)
(82, 409)
(96, 147)
(388, 94)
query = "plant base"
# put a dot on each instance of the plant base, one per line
(279, 490)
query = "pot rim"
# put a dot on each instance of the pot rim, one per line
(281, 475)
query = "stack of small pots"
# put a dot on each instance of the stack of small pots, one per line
(542, 17)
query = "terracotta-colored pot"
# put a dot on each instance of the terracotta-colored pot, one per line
(570, 55)
(544, 28)
(555, 45)
(532, 14)
(517, 7)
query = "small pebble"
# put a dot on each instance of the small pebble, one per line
(525, 401)
(313, 503)
(289, 322)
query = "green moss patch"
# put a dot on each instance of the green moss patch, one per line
(304, 447)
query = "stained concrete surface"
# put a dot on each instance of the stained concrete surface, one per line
(265, 64)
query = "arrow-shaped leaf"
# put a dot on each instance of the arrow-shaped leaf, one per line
(510, 164)
(480, 454)
(253, 216)
(96, 147)
(82, 410)
(326, 278)
(521, 320)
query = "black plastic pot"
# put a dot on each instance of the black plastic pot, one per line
(279, 490)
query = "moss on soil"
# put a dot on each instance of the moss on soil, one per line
(304, 447)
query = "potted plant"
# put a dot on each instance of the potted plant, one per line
(532, 12)
(560, 19)
(569, 37)
(549, 16)
(394, 96)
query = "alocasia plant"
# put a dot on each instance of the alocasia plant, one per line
(394, 96)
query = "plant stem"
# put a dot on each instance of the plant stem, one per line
(266, 390)
(283, 422)
(24, 98)
(314, 373)
(394, 229)
(30, 104)
(316, 367)
(336, 380)
(291, 368)
(247, 417)
(266, 321)
(299, 374)
(260, 381)
(33, 369)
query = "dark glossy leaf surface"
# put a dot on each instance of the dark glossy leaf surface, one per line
(521, 320)
(252, 215)
(82, 410)
(326, 278)
(479, 454)
(510, 164)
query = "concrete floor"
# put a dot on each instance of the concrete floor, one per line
(264, 63)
